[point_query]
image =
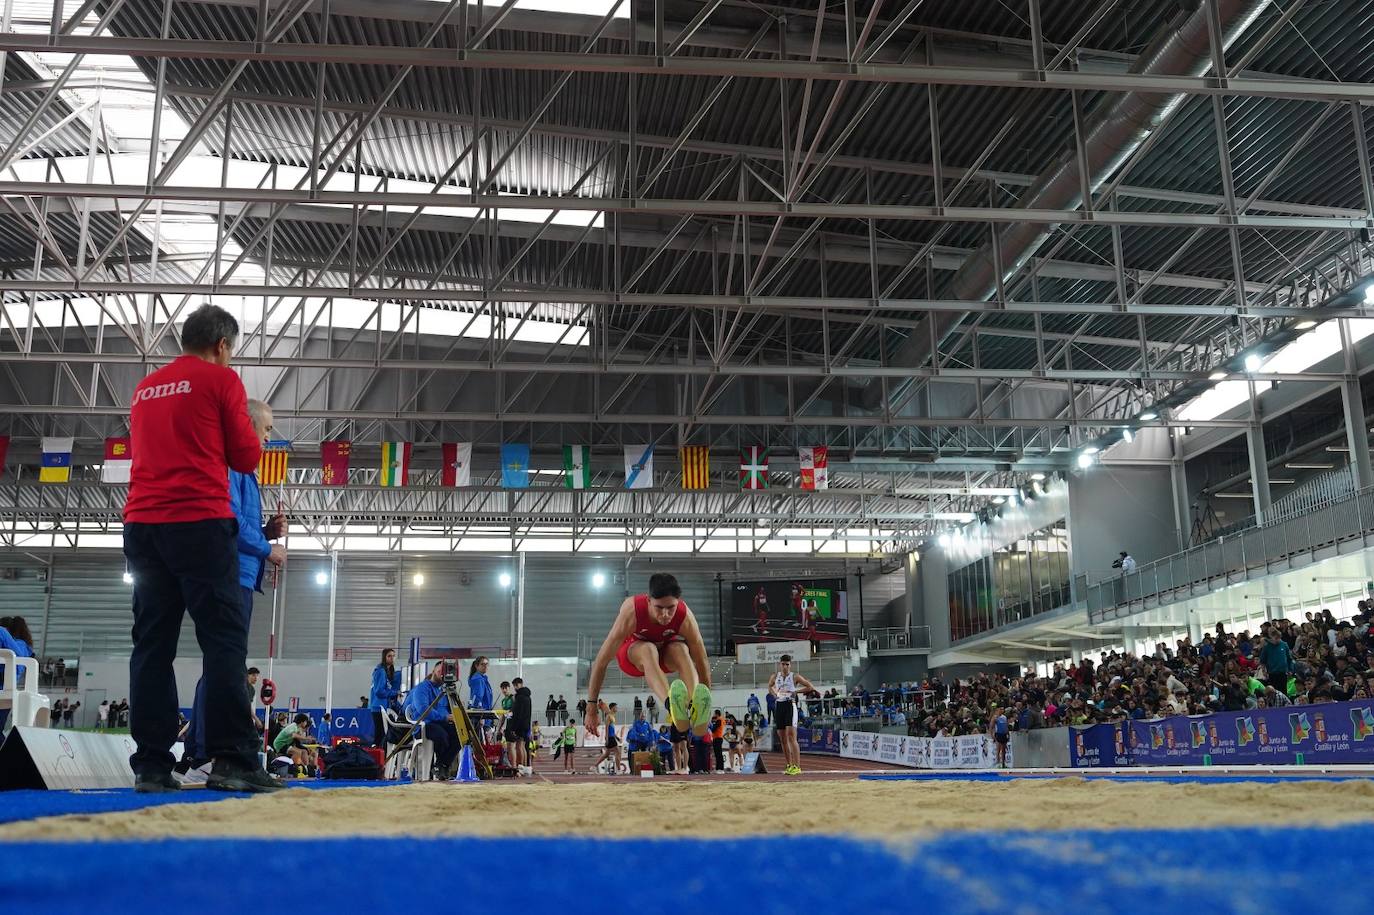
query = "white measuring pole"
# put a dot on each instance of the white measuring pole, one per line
(520, 619)
(329, 659)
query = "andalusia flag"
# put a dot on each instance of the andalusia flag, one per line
(395, 463)
(577, 466)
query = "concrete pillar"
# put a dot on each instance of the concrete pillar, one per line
(1356, 426)
(1183, 500)
(1194, 627)
(1259, 459)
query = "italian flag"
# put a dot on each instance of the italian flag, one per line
(395, 463)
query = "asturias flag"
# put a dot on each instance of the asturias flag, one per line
(57, 460)
(515, 466)
(395, 464)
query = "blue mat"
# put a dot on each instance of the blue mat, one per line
(29, 805)
(1227, 870)
(1087, 773)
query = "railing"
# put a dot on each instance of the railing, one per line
(1176, 577)
(727, 672)
(894, 638)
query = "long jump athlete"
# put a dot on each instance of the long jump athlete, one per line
(655, 635)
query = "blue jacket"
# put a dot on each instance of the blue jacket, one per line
(20, 648)
(641, 735)
(324, 732)
(479, 692)
(254, 549)
(383, 692)
(419, 698)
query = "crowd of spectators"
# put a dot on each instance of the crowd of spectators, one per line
(1319, 659)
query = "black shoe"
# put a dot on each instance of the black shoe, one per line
(226, 776)
(160, 783)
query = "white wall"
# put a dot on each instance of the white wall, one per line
(1115, 508)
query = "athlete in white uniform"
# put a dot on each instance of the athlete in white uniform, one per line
(784, 685)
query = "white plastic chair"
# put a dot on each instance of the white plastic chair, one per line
(27, 707)
(419, 755)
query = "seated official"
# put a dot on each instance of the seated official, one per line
(641, 736)
(437, 717)
(294, 741)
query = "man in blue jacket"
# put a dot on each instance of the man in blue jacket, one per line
(641, 736)
(439, 728)
(255, 552)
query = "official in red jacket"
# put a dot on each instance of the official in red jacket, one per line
(190, 422)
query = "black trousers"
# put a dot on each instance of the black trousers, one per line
(718, 750)
(192, 743)
(190, 567)
(445, 738)
(379, 730)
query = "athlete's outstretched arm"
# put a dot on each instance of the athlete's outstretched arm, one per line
(621, 629)
(696, 648)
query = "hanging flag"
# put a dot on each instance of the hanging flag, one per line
(272, 464)
(457, 464)
(395, 464)
(696, 466)
(57, 461)
(4, 449)
(815, 467)
(515, 466)
(753, 468)
(639, 466)
(118, 461)
(577, 466)
(334, 458)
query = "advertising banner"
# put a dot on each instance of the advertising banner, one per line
(859, 745)
(1333, 732)
(818, 740)
(770, 652)
(975, 751)
(1100, 745)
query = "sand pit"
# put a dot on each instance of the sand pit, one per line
(861, 808)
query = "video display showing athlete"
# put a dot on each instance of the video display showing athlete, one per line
(654, 635)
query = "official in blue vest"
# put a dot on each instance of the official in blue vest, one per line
(255, 553)
(439, 728)
(386, 686)
(641, 736)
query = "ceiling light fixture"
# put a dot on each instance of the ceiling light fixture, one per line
(1149, 416)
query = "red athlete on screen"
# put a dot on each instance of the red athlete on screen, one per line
(798, 604)
(761, 611)
(655, 634)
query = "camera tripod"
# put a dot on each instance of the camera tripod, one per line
(468, 736)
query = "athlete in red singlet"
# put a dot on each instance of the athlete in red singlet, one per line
(654, 635)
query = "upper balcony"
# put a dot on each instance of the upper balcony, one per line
(1333, 528)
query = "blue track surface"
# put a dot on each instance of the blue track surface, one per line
(28, 805)
(1224, 870)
